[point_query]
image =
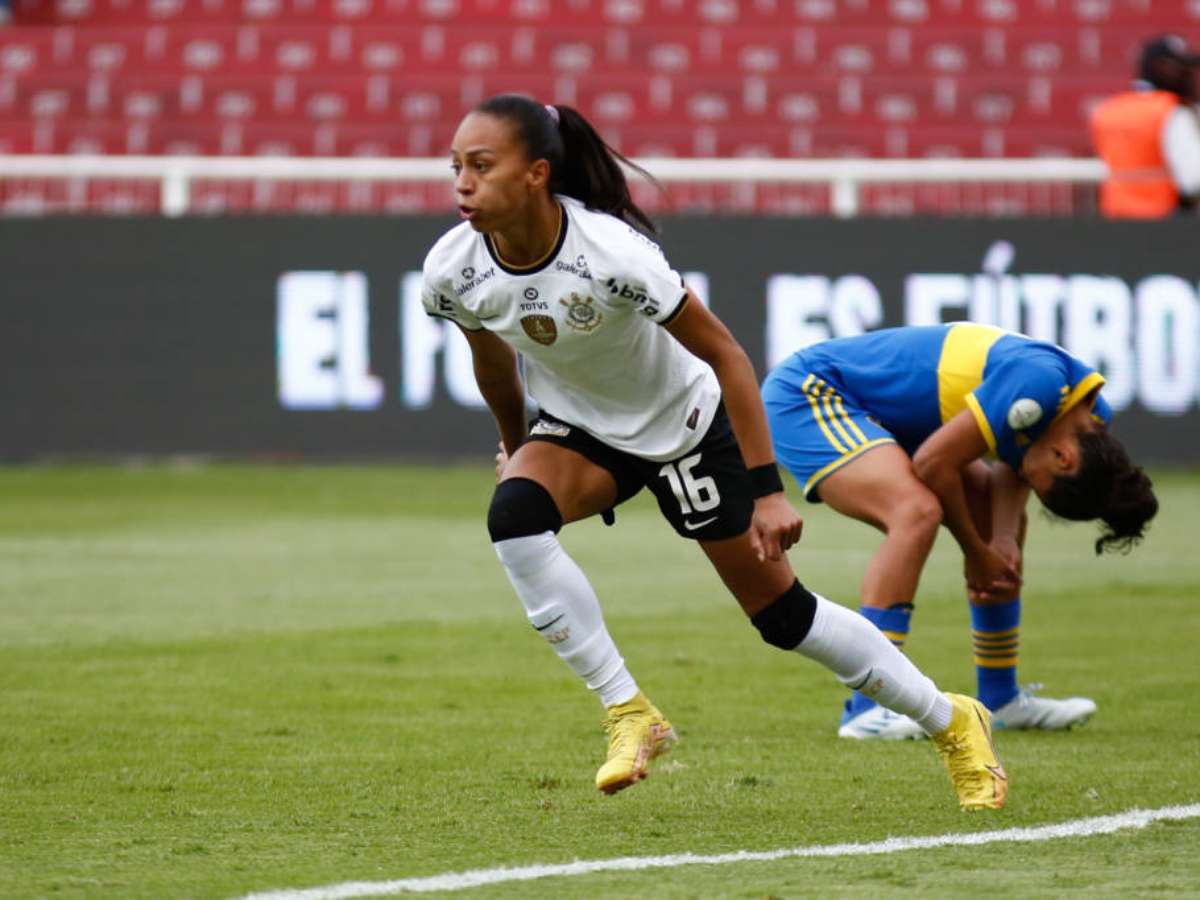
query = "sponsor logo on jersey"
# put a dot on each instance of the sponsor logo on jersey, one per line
(636, 296)
(541, 328)
(472, 279)
(557, 429)
(527, 306)
(578, 268)
(581, 315)
(531, 301)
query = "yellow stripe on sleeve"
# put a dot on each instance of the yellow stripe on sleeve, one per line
(1086, 385)
(985, 427)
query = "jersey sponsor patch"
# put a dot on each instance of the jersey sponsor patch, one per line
(581, 315)
(541, 328)
(1023, 413)
(555, 429)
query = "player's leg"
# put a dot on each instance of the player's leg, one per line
(996, 638)
(861, 657)
(545, 486)
(881, 489)
(707, 496)
(792, 618)
(842, 455)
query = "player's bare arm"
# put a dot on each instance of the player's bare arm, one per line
(1009, 494)
(939, 463)
(499, 381)
(776, 526)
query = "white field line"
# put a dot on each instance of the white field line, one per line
(453, 881)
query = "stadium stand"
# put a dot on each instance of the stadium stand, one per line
(786, 78)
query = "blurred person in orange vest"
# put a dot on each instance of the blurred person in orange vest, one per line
(1150, 136)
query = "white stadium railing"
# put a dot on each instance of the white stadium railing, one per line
(174, 179)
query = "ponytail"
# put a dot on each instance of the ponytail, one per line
(591, 172)
(582, 165)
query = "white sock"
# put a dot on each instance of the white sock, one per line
(862, 658)
(562, 606)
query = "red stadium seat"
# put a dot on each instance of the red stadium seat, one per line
(739, 78)
(25, 50)
(17, 136)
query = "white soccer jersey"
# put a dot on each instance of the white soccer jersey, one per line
(588, 320)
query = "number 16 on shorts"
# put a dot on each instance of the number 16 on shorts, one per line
(695, 494)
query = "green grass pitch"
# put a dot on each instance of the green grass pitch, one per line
(218, 680)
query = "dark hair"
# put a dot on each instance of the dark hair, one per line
(1108, 486)
(582, 165)
(1168, 64)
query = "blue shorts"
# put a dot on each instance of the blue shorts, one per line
(815, 430)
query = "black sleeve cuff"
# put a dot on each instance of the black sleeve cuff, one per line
(676, 311)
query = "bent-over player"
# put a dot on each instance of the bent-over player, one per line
(889, 428)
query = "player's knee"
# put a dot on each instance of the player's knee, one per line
(917, 516)
(786, 622)
(521, 507)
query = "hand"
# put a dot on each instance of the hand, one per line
(990, 577)
(774, 528)
(1007, 549)
(501, 462)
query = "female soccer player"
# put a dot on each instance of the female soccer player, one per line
(638, 385)
(890, 427)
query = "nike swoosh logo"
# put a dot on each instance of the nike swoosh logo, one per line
(548, 624)
(692, 526)
(864, 682)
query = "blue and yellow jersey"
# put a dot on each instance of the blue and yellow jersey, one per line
(913, 380)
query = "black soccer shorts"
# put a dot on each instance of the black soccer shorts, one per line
(705, 494)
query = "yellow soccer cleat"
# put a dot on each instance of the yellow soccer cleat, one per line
(970, 757)
(637, 732)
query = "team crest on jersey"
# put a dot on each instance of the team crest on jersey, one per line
(581, 315)
(541, 328)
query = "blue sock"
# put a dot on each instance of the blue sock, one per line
(893, 622)
(996, 633)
